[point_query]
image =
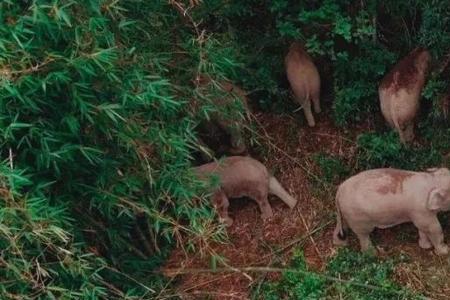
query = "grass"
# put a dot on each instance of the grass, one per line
(332, 168)
(348, 275)
(377, 150)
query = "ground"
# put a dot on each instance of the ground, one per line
(288, 146)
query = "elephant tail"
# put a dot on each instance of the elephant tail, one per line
(276, 189)
(340, 234)
(397, 125)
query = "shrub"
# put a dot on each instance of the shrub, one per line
(385, 150)
(332, 168)
(39, 256)
(300, 283)
(96, 108)
(373, 279)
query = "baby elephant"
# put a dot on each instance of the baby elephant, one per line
(304, 80)
(386, 197)
(400, 90)
(242, 176)
(232, 98)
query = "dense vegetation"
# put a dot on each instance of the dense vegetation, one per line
(339, 281)
(99, 106)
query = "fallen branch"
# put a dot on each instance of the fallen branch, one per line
(203, 293)
(302, 238)
(311, 238)
(148, 289)
(280, 270)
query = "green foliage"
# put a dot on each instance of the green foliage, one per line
(300, 283)
(385, 150)
(435, 28)
(373, 275)
(95, 106)
(333, 169)
(349, 275)
(39, 255)
(356, 90)
(438, 135)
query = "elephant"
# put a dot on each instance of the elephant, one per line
(304, 79)
(242, 176)
(220, 123)
(387, 197)
(399, 92)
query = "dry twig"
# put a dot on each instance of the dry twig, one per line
(282, 270)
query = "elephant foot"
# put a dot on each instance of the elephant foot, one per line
(266, 215)
(425, 244)
(312, 124)
(227, 221)
(441, 249)
(338, 242)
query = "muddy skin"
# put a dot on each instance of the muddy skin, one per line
(400, 90)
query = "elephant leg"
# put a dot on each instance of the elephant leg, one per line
(308, 113)
(363, 234)
(264, 206)
(221, 203)
(424, 242)
(316, 102)
(364, 241)
(433, 231)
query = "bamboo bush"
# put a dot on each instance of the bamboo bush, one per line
(96, 141)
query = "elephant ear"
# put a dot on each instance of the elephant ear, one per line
(436, 200)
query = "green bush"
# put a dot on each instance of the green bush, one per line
(385, 150)
(373, 277)
(300, 283)
(332, 168)
(350, 275)
(38, 253)
(96, 109)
